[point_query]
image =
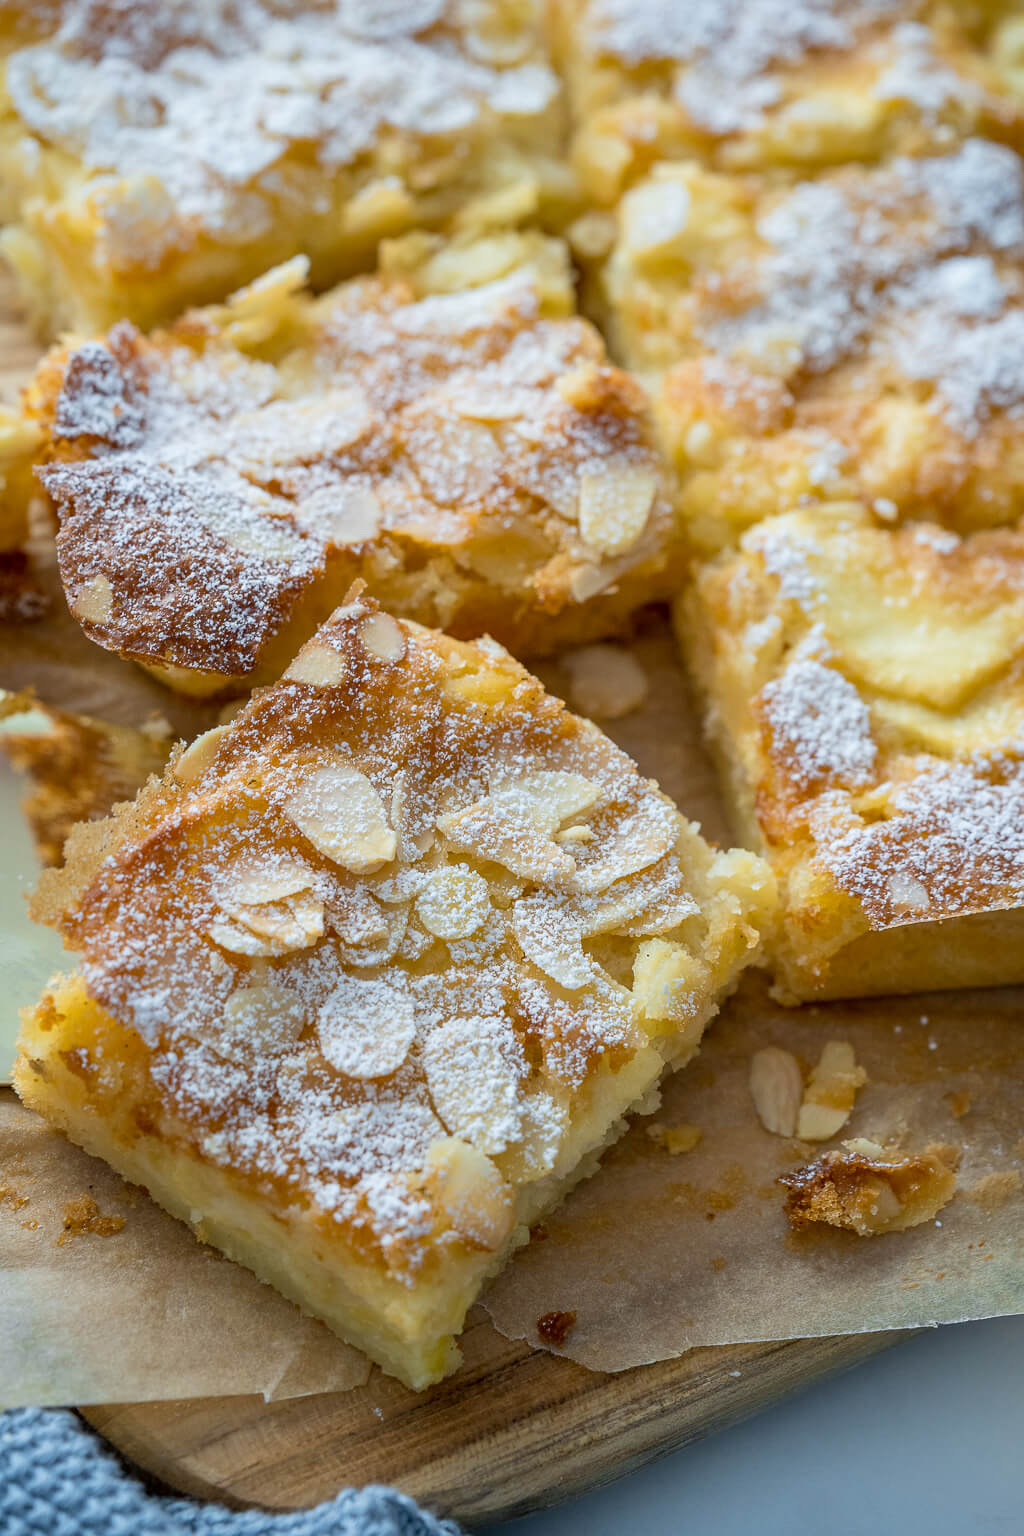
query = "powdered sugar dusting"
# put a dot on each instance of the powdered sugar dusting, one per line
(821, 728)
(733, 53)
(916, 265)
(210, 489)
(327, 1033)
(198, 107)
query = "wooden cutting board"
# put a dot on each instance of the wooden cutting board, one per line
(515, 1430)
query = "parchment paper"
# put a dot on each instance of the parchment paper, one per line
(655, 1254)
(144, 1312)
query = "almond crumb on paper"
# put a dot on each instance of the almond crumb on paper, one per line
(829, 1097)
(868, 1190)
(605, 681)
(959, 1103)
(676, 1138)
(777, 1088)
(995, 1188)
(555, 1327)
(9, 1196)
(82, 1218)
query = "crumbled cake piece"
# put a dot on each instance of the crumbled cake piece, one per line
(859, 335)
(865, 698)
(163, 153)
(868, 1190)
(468, 452)
(375, 971)
(78, 767)
(761, 84)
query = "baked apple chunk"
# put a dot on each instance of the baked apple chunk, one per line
(447, 432)
(373, 973)
(865, 693)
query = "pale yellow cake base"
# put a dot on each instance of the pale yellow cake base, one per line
(409, 1330)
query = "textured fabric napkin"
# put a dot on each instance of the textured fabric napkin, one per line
(59, 1479)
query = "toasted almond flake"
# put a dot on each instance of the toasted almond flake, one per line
(317, 663)
(453, 902)
(487, 832)
(342, 815)
(474, 1067)
(546, 797)
(552, 938)
(383, 638)
(259, 1017)
(197, 757)
(830, 1094)
(777, 1088)
(470, 1191)
(367, 1025)
(605, 682)
(93, 603)
(615, 503)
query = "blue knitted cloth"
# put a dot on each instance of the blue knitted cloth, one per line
(59, 1479)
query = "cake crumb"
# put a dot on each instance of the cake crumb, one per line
(676, 1138)
(555, 1327)
(82, 1217)
(995, 1189)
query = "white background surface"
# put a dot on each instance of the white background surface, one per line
(926, 1438)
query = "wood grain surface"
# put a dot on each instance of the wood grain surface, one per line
(515, 1430)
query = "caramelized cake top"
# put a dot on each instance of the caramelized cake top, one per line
(202, 490)
(404, 911)
(885, 670)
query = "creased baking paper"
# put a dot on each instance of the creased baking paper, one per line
(657, 1253)
(142, 1312)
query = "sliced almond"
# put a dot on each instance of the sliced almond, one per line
(93, 603)
(342, 815)
(488, 832)
(317, 663)
(366, 1026)
(260, 1018)
(453, 902)
(546, 797)
(197, 757)
(615, 503)
(470, 1191)
(474, 1067)
(268, 907)
(830, 1094)
(382, 637)
(777, 1088)
(605, 681)
(550, 936)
